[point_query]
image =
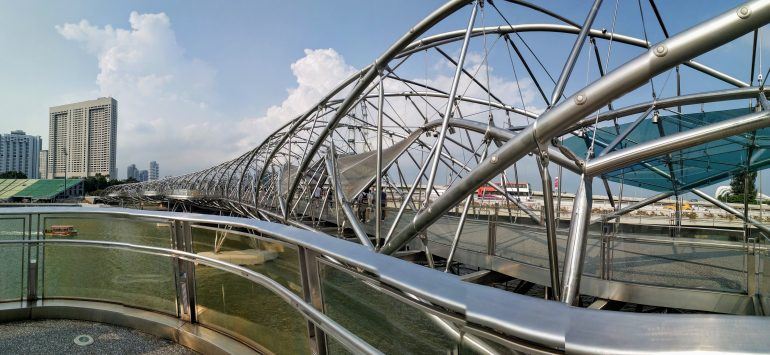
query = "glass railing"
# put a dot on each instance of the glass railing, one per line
(284, 290)
(701, 258)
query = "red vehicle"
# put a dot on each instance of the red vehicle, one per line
(513, 189)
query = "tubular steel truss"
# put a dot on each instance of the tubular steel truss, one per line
(431, 146)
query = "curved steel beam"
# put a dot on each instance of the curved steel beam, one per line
(698, 98)
(678, 141)
(368, 77)
(634, 73)
(456, 35)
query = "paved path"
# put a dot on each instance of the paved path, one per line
(57, 337)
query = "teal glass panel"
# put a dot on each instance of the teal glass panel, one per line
(384, 322)
(11, 259)
(701, 165)
(113, 275)
(239, 307)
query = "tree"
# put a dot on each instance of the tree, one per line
(738, 187)
(13, 175)
(100, 182)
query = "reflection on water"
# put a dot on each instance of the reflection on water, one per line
(131, 278)
(11, 263)
(379, 319)
(225, 301)
(228, 301)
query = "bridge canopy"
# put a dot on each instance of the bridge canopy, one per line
(701, 165)
(358, 171)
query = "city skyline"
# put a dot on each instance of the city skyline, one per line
(192, 106)
(150, 174)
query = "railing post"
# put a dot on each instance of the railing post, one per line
(608, 230)
(32, 280)
(181, 237)
(492, 232)
(753, 274)
(311, 292)
(32, 259)
(576, 242)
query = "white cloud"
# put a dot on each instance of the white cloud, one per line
(317, 73)
(167, 100)
(164, 97)
(168, 104)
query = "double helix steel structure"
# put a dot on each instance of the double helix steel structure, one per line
(405, 155)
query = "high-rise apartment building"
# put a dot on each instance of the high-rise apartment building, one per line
(82, 139)
(20, 152)
(42, 164)
(132, 172)
(143, 175)
(154, 171)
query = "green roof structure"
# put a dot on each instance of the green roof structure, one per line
(34, 189)
(10, 187)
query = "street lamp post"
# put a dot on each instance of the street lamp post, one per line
(66, 156)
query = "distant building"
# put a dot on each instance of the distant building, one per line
(143, 175)
(20, 152)
(42, 164)
(132, 172)
(154, 171)
(82, 139)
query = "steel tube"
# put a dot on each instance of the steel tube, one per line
(576, 243)
(667, 54)
(699, 98)
(573, 55)
(349, 340)
(550, 227)
(461, 223)
(634, 207)
(626, 132)
(733, 211)
(408, 198)
(458, 232)
(677, 141)
(504, 135)
(378, 181)
(450, 105)
(443, 38)
(354, 223)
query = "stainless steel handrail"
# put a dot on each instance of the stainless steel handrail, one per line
(349, 340)
(550, 325)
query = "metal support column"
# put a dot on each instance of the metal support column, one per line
(573, 55)
(733, 211)
(181, 237)
(576, 244)
(378, 182)
(311, 291)
(342, 202)
(450, 104)
(33, 256)
(408, 199)
(492, 230)
(461, 224)
(550, 225)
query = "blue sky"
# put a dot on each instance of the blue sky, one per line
(218, 67)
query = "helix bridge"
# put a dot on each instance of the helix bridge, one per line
(508, 195)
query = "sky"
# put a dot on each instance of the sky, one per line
(200, 82)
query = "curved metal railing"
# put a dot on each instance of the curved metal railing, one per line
(349, 340)
(494, 318)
